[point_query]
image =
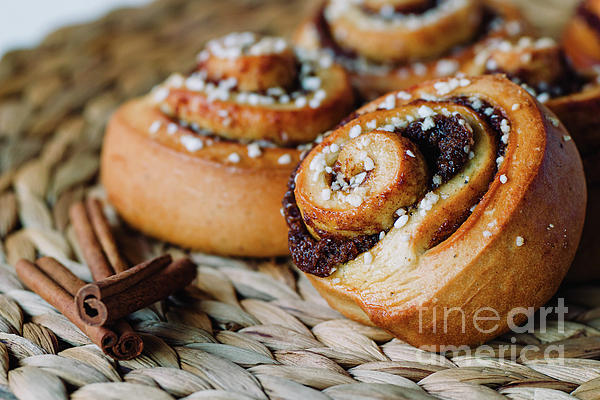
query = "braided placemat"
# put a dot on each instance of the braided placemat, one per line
(247, 329)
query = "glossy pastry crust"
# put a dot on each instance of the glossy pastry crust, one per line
(581, 114)
(551, 72)
(197, 200)
(203, 160)
(581, 37)
(376, 76)
(512, 250)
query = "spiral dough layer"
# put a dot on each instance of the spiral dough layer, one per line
(570, 89)
(440, 196)
(190, 162)
(392, 44)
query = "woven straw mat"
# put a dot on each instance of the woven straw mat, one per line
(246, 330)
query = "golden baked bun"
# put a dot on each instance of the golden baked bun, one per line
(581, 37)
(203, 160)
(393, 44)
(540, 66)
(495, 224)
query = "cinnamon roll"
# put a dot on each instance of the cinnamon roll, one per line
(458, 194)
(202, 161)
(392, 44)
(549, 71)
(581, 38)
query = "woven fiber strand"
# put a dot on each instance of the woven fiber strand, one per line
(246, 330)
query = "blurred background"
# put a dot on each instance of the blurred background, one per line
(78, 60)
(24, 23)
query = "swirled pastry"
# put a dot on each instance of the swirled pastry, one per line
(461, 193)
(581, 113)
(581, 38)
(392, 44)
(544, 68)
(202, 161)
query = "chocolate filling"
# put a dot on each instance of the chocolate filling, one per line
(493, 118)
(442, 146)
(318, 257)
(414, 9)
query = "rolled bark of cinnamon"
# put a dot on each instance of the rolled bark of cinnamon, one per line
(102, 255)
(118, 290)
(105, 237)
(108, 300)
(129, 344)
(59, 274)
(88, 242)
(53, 291)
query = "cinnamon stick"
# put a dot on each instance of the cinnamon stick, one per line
(55, 294)
(60, 274)
(103, 258)
(90, 297)
(129, 343)
(108, 300)
(88, 242)
(105, 237)
(114, 296)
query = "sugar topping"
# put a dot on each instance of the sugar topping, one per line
(160, 94)
(388, 17)
(237, 44)
(505, 129)
(403, 95)
(154, 127)
(234, 158)
(401, 221)
(254, 150)
(425, 111)
(191, 143)
(427, 203)
(355, 131)
(445, 87)
(284, 159)
(446, 67)
(311, 91)
(172, 128)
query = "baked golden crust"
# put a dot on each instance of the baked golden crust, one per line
(512, 251)
(203, 163)
(580, 112)
(384, 40)
(573, 95)
(581, 37)
(196, 200)
(440, 52)
(279, 123)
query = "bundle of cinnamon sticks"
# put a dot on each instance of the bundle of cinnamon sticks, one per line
(98, 308)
